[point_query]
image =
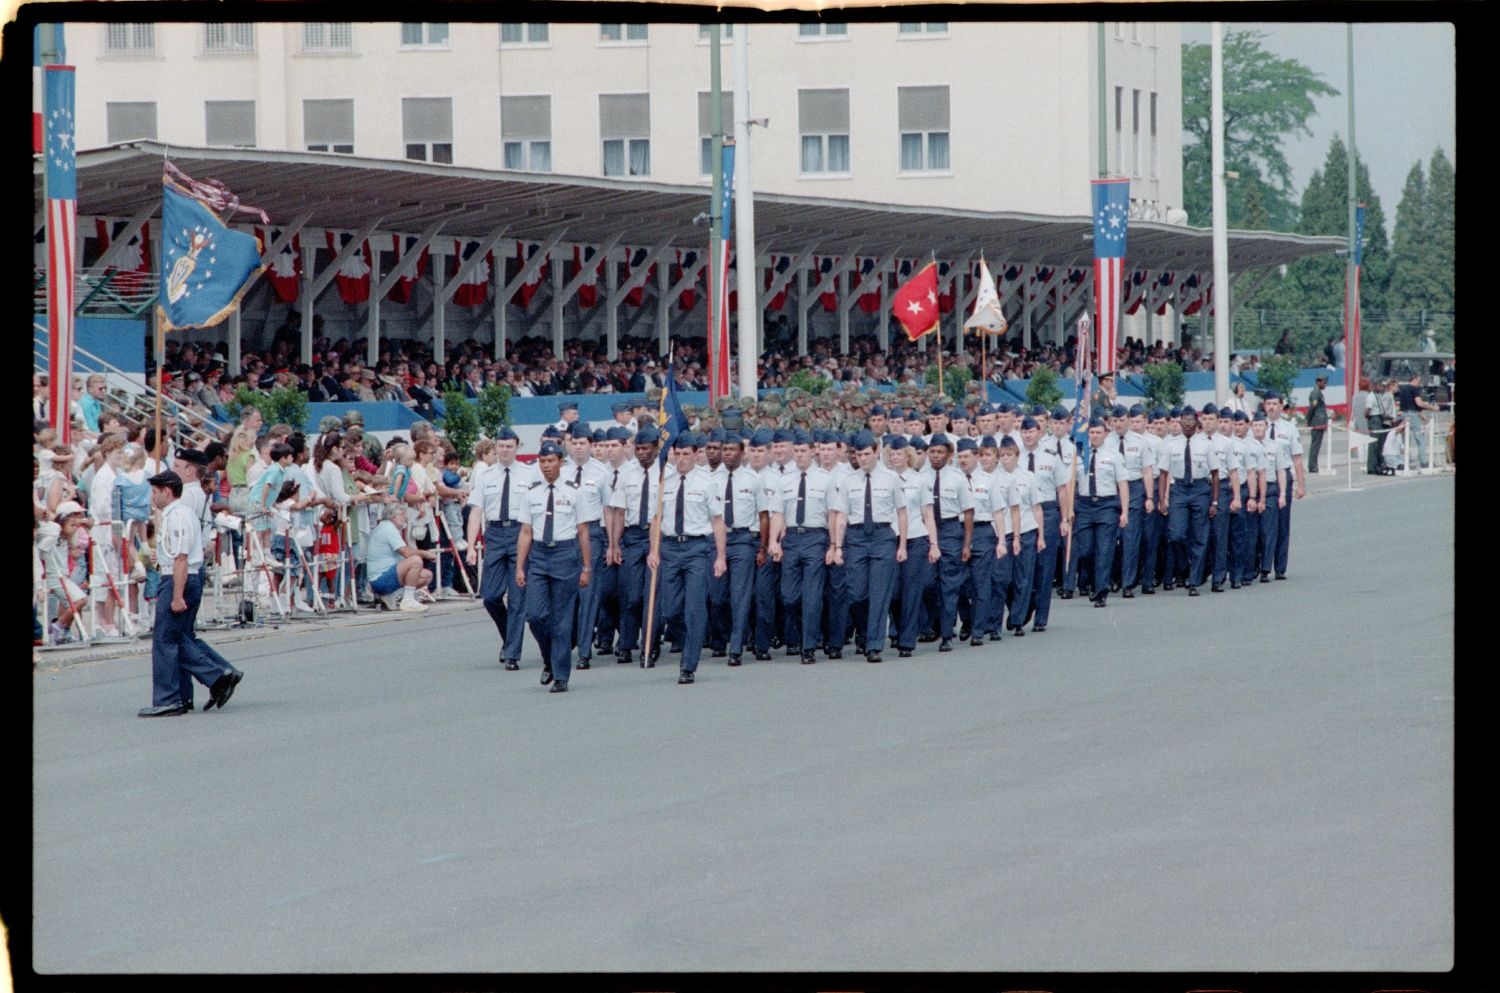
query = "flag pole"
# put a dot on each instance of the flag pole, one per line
(160, 357)
(661, 477)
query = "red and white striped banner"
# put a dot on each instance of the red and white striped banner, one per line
(1109, 275)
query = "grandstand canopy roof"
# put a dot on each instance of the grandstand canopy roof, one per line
(342, 191)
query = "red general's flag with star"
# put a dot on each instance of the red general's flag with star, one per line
(916, 303)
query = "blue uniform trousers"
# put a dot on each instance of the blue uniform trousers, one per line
(767, 598)
(608, 578)
(1046, 564)
(836, 606)
(986, 609)
(870, 565)
(635, 583)
(716, 633)
(952, 571)
(686, 565)
(1001, 574)
(589, 596)
(1096, 526)
(1243, 529)
(1152, 526)
(551, 597)
(802, 578)
(176, 651)
(916, 575)
(1022, 569)
(739, 549)
(1187, 529)
(1284, 526)
(1130, 535)
(1218, 531)
(500, 584)
(1270, 527)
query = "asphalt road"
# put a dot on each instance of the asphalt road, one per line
(1258, 780)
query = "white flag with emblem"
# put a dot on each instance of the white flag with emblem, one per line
(987, 315)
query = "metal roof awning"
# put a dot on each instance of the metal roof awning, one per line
(341, 191)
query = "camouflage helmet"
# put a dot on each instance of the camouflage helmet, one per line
(330, 422)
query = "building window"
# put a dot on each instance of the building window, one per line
(337, 36)
(424, 35)
(328, 126)
(229, 123)
(1135, 32)
(1155, 150)
(922, 27)
(130, 39)
(823, 124)
(922, 113)
(1119, 31)
(622, 32)
(427, 128)
(706, 143)
(228, 39)
(526, 133)
(129, 122)
(1135, 132)
(822, 29)
(726, 32)
(1119, 126)
(625, 129)
(524, 34)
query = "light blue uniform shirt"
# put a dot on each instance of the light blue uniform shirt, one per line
(565, 508)
(886, 497)
(627, 495)
(701, 504)
(818, 497)
(591, 481)
(489, 490)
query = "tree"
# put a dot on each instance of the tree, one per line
(494, 408)
(460, 424)
(1441, 193)
(1043, 390)
(1276, 372)
(1267, 100)
(1414, 279)
(1164, 384)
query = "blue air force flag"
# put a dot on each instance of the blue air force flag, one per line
(205, 266)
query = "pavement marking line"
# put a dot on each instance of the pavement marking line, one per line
(439, 858)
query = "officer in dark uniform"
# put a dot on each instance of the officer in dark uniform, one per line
(1189, 497)
(871, 540)
(499, 502)
(552, 564)
(799, 526)
(1102, 507)
(953, 512)
(692, 548)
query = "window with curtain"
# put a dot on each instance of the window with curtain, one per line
(427, 128)
(823, 128)
(524, 34)
(922, 27)
(228, 39)
(623, 32)
(526, 133)
(132, 121)
(922, 116)
(130, 39)
(1119, 125)
(328, 126)
(1155, 148)
(336, 36)
(822, 29)
(1135, 132)
(434, 35)
(229, 123)
(625, 130)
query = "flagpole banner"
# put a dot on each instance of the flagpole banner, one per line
(61, 180)
(47, 48)
(670, 417)
(915, 304)
(718, 352)
(987, 316)
(1081, 382)
(205, 266)
(1111, 202)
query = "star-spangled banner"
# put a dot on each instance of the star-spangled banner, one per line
(1111, 202)
(205, 266)
(61, 185)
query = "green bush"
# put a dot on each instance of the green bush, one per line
(461, 424)
(955, 381)
(808, 380)
(1043, 390)
(1276, 372)
(1163, 384)
(494, 408)
(283, 405)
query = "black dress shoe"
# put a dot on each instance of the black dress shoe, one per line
(684, 678)
(872, 656)
(946, 645)
(1128, 595)
(676, 649)
(776, 641)
(808, 658)
(1168, 586)
(835, 654)
(559, 688)
(170, 710)
(582, 664)
(927, 638)
(903, 653)
(511, 665)
(603, 650)
(1148, 591)
(649, 662)
(1038, 629)
(1114, 587)
(1065, 595)
(624, 657)
(718, 653)
(994, 636)
(792, 651)
(1280, 576)
(963, 633)
(546, 674)
(1101, 602)
(762, 656)
(1265, 577)
(975, 642)
(1216, 588)
(734, 660)
(1192, 591)
(1018, 632)
(1234, 584)
(222, 689)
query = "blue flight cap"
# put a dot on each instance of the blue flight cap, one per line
(647, 435)
(939, 439)
(1005, 408)
(782, 434)
(579, 430)
(1137, 410)
(1239, 415)
(966, 445)
(863, 440)
(1158, 414)
(1189, 410)
(896, 442)
(876, 411)
(551, 431)
(1226, 412)
(683, 441)
(937, 408)
(1175, 412)
(506, 434)
(988, 441)
(600, 435)
(1273, 395)
(621, 408)
(800, 437)
(550, 448)
(1260, 415)
(617, 433)
(1096, 422)
(761, 438)
(1038, 411)
(716, 436)
(1027, 423)
(1060, 413)
(1006, 441)
(959, 414)
(919, 443)
(1118, 410)
(567, 405)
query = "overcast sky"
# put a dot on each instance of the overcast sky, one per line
(1404, 85)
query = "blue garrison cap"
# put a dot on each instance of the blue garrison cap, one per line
(1006, 441)
(966, 445)
(959, 414)
(800, 437)
(1038, 411)
(988, 441)
(579, 430)
(617, 434)
(1118, 410)
(1239, 415)
(876, 411)
(1137, 410)
(1273, 395)
(1175, 412)
(940, 439)
(600, 435)
(1027, 423)
(1158, 414)
(506, 434)
(919, 443)
(761, 438)
(1005, 408)
(551, 431)
(683, 441)
(1096, 422)
(781, 434)
(1189, 409)
(1226, 411)
(567, 405)
(863, 440)
(716, 436)
(647, 435)
(937, 408)
(550, 448)
(1260, 415)
(622, 407)
(896, 442)
(1060, 413)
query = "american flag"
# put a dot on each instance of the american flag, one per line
(718, 343)
(61, 181)
(1111, 199)
(1352, 358)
